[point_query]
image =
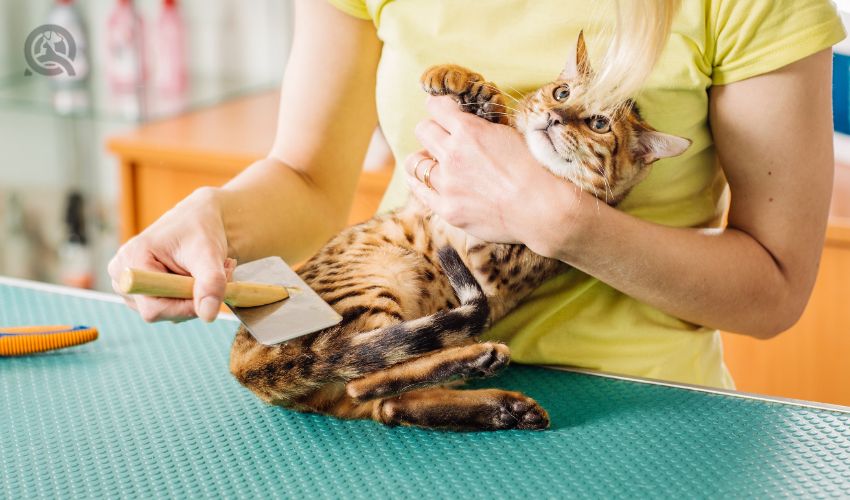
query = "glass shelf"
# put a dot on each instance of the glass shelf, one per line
(35, 94)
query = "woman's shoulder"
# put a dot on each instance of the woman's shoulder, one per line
(746, 38)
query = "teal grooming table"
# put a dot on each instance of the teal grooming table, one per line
(152, 411)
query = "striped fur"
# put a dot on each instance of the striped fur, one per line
(606, 163)
(414, 292)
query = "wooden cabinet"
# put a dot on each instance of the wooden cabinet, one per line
(163, 162)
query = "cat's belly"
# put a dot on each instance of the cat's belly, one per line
(508, 273)
(387, 262)
(393, 257)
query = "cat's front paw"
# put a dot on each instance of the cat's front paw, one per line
(450, 79)
(474, 94)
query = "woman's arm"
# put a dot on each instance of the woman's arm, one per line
(293, 201)
(773, 135)
(289, 203)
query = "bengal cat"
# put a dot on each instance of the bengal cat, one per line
(414, 292)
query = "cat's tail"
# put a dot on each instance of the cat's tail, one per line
(378, 349)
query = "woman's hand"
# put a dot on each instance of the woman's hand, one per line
(486, 181)
(188, 240)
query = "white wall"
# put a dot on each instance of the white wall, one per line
(249, 37)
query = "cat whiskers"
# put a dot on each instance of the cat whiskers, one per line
(504, 106)
(500, 91)
(607, 185)
(581, 191)
(513, 89)
(597, 204)
(490, 113)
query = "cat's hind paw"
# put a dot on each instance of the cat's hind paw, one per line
(520, 412)
(459, 410)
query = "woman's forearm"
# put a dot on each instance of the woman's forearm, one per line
(718, 278)
(756, 276)
(272, 209)
(290, 203)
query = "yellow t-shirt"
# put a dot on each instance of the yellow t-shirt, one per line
(574, 319)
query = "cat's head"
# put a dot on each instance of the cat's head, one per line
(605, 154)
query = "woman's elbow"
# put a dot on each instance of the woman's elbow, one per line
(779, 316)
(769, 331)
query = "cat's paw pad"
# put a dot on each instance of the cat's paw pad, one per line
(520, 412)
(474, 94)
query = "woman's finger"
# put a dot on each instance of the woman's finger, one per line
(421, 168)
(428, 197)
(446, 113)
(158, 309)
(432, 137)
(120, 292)
(415, 163)
(431, 176)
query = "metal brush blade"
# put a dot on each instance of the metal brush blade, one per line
(302, 313)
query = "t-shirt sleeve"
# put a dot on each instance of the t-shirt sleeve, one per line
(356, 8)
(753, 37)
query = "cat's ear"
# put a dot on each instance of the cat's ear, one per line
(578, 64)
(654, 145)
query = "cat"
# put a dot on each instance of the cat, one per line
(414, 292)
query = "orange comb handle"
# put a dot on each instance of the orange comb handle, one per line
(20, 341)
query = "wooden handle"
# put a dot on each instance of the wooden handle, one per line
(175, 286)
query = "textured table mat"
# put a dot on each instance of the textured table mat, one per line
(151, 410)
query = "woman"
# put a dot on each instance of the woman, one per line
(747, 82)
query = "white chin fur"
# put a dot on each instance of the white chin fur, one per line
(543, 150)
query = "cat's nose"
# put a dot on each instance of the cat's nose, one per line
(553, 119)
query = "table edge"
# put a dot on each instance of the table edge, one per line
(701, 388)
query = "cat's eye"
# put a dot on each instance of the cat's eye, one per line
(599, 124)
(561, 92)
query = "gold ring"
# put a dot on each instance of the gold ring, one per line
(416, 167)
(426, 177)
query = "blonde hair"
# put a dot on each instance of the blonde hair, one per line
(639, 36)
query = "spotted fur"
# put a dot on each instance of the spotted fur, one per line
(560, 134)
(414, 292)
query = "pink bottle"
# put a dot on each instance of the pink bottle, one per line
(170, 75)
(126, 69)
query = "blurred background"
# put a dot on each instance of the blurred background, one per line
(136, 63)
(168, 96)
